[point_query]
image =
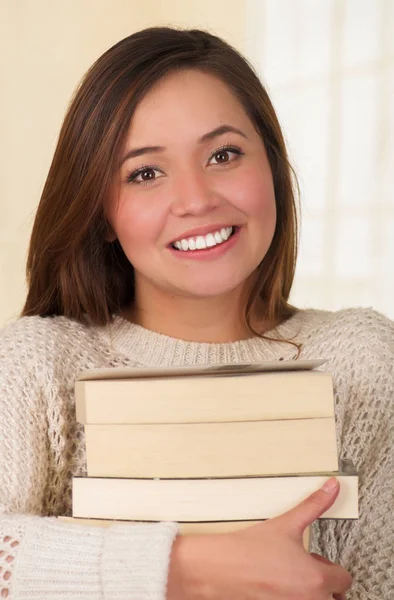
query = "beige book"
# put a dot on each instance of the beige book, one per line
(192, 500)
(185, 528)
(212, 449)
(203, 395)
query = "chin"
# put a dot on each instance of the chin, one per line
(211, 289)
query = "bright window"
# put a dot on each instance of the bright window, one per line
(329, 68)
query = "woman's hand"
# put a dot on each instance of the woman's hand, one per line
(266, 561)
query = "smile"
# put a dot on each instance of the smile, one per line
(202, 242)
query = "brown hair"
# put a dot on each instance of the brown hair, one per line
(71, 269)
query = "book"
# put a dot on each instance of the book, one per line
(184, 528)
(193, 500)
(212, 449)
(263, 391)
(213, 438)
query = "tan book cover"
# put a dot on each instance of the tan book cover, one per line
(192, 500)
(186, 395)
(185, 528)
(212, 449)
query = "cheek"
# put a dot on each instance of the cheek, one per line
(136, 223)
(253, 193)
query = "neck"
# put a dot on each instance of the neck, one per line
(210, 320)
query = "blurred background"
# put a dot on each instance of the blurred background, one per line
(329, 68)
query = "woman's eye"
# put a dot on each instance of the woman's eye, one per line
(224, 155)
(144, 175)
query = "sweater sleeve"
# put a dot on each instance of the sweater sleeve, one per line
(39, 556)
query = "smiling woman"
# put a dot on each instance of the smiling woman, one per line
(174, 144)
(166, 235)
(215, 201)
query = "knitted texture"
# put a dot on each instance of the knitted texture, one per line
(42, 447)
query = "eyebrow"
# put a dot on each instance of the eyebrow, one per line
(205, 138)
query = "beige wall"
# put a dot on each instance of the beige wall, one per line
(45, 47)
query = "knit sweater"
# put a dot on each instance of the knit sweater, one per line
(42, 447)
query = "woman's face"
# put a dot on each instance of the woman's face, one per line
(195, 209)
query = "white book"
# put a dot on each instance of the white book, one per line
(192, 500)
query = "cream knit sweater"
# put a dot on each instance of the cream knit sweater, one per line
(42, 447)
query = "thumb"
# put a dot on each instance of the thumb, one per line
(301, 516)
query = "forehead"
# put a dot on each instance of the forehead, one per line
(187, 101)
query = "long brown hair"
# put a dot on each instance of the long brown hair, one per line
(71, 269)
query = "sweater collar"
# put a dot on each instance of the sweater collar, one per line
(150, 348)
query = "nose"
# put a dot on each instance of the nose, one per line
(192, 194)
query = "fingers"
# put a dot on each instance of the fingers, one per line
(299, 518)
(340, 579)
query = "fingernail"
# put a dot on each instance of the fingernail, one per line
(330, 486)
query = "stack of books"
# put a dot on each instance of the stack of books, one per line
(213, 448)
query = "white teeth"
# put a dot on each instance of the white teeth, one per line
(210, 240)
(207, 241)
(225, 233)
(200, 243)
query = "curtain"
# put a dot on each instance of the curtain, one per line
(328, 66)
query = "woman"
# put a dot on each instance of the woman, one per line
(166, 234)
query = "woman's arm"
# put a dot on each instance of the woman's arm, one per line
(39, 555)
(266, 561)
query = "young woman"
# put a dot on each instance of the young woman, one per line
(166, 235)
